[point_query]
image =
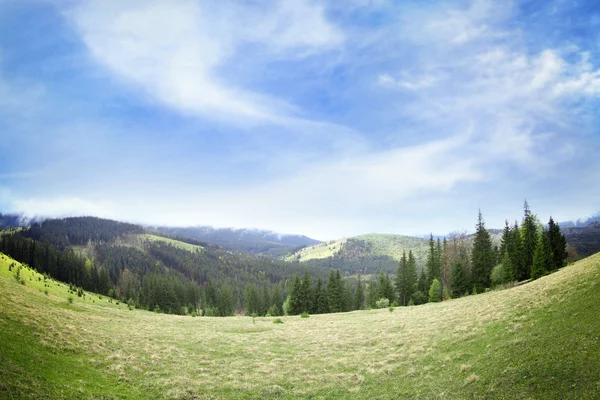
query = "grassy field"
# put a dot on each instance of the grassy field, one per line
(317, 251)
(536, 341)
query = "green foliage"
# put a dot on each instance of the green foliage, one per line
(418, 298)
(304, 315)
(529, 235)
(482, 256)
(70, 299)
(497, 276)
(382, 303)
(435, 291)
(459, 283)
(359, 294)
(391, 309)
(542, 257)
(278, 321)
(406, 279)
(384, 287)
(557, 246)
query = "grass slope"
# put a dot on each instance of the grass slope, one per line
(535, 341)
(173, 242)
(317, 251)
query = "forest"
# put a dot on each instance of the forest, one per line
(95, 255)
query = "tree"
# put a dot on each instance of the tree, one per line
(482, 257)
(306, 293)
(515, 252)
(435, 291)
(433, 264)
(508, 268)
(334, 291)
(359, 295)
(558, 246)
(541, 258)
(530, 240)
(459, 284)
(406, 278)
(295, 296)
(320, 306)
(384, 287)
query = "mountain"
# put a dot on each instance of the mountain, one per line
(364, 254)
(253, 241)
(585, 240)
(580, 223)
(153, 270)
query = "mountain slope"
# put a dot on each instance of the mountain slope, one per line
(585, 240)
(535, 341)
(253, 241)
(365, 254)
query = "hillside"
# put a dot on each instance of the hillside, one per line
(164, 273)
(535, 341)
(585, 240)
(366, 254)
(253, 241)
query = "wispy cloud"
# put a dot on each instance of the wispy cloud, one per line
(174, 50)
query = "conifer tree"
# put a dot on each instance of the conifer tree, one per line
(359, 295)
(306, 293)
(505, 243)
(334, 293)
(401, 283)
(320, 299)
(348, 297)
(384, 287)
(530, 240)
(295, 296)
(411, 279)
(508, 268)
(459, 281)
(422, 282)
(435, 291)
(482, 257)
(432, 262)
(558, 246)
(515, 252)
(541, 258)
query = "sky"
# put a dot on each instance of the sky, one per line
(323, 118)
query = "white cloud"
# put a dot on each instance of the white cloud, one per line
(174, 49)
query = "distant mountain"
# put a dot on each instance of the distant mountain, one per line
(253, 241)
(586, 239)
(580, 222)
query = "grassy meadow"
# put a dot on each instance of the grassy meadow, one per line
(540, 340)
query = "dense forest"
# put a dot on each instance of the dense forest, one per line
(97, 255)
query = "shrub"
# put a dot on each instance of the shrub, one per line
(391, 309)
(194, 314)
(277, 321)
(79, 292)
(497, 276)
(210, 312)
(70, 299)
(304, 315)
(46, 292)
(382, 303)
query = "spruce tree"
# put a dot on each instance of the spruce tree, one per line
(530, 240)
(459, 281)
(482, 257)
(334, 297)
(295, 296)
(306, 293)
(359, 295)
(401, 281)
(508, 268)
(541, 258)
(515, 252)
(435, 291)
(411, 278)
(320, 298)
(384, 287)
(432, 262)
(558, 246)
(505, 243)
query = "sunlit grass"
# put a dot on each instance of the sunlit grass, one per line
(539, 340)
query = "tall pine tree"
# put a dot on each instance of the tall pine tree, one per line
(558, 246)
(482, 257)
(541, 258)
(530, 240)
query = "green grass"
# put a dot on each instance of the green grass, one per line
(317, 251)
(392, 245)
(176, 243)
(535, 341)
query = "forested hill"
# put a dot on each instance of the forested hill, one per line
(253, 241)
(364, 254)
(130, 263)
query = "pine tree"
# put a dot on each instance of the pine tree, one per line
(515, 252)
(505, 243)
(401, 283)
(541, 258)
(432, 262)
(482, 257)
(558, 246)
(295, 296)
(435, 291)
(306, 293)
(411, 278)
(334, 292)
(530, 240)
(459, 281)
(508, 268)
(359, 295)
(384, 287)
(320, 299)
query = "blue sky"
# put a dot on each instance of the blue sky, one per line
(323, 118)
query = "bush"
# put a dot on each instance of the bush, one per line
(497, 276)
(277, 321)
(273, 311)
(210, 312)
(382, 303)
(304, 315)
(194, 314)
(391, 309)
(46, 292)
(70, 299)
